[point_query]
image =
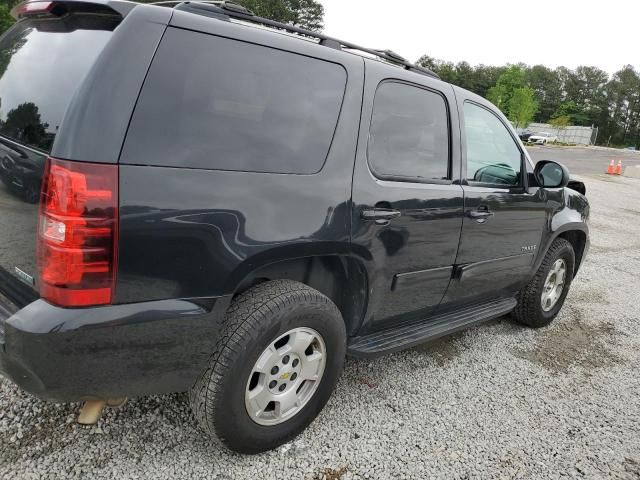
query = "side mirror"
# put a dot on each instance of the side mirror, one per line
(551, 174)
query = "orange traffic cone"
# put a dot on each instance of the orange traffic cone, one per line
(619, 168)
(610, 170)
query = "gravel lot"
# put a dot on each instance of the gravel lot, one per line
(497, 401)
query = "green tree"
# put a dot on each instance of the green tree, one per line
(307, 14)
(622, 124)
(585, 87)
(445, 70)
(465, 76)
(477, 79)
(6, 20)
(24, 123)
(586, 95)
(547, 86)
(522, 106)
(486, 77)
(573, 112)
(273, 9)
(510, 81)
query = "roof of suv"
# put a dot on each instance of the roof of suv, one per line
(224, 10)
(228, 11)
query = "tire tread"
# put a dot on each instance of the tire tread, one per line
(528, 309)
(242, 321)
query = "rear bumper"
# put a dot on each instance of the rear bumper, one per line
(121, 350)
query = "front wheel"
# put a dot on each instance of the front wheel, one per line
(279, 356)
(541, 300)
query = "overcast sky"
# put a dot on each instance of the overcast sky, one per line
(550, 32)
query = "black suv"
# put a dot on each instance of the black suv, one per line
(229, 209)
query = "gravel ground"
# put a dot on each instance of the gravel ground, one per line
(497, 401)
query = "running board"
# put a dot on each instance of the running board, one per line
(400, 338)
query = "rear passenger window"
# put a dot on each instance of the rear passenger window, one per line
(409, 136)
(215, 103)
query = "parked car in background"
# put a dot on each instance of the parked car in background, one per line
(542, 138)
(229, 211)
(525, 134)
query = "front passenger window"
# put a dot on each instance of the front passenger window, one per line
(492, 155)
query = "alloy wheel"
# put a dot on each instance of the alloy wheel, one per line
(553, 285)
(286, 376)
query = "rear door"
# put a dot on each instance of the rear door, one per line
(42, 62)
(407, 207)
(503, 220)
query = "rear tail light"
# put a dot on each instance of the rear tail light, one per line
(78, 233)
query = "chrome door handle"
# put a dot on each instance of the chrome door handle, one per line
(381, 216)
(481, 215)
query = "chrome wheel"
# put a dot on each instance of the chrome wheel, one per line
(553, 285)
(286, 376)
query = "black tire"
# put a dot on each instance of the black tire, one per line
(529, 309)
(254, 320)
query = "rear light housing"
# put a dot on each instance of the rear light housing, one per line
(78, 233)
(32, 9)
(59, 8)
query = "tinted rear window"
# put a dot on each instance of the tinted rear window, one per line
(215, 103)
(41, 65)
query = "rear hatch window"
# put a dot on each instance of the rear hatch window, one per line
(42, 63)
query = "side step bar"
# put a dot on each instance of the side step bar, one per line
(395, 339)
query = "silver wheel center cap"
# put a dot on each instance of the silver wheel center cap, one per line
(285, 376)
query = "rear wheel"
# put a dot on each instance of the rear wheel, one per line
(541, 300)
(279, 356)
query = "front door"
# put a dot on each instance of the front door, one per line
(503, 219)
(407, 209)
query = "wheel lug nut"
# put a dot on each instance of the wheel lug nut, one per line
(285, 359)
(272, 384)
(282, 387)
(274, 371)
(294, 364)
(294, 376)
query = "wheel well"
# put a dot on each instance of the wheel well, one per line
(340, 278)
(578, 240)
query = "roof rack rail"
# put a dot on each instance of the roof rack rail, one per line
(233, 10)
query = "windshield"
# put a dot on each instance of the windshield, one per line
(42, 63)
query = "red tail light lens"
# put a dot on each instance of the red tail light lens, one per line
(77, 233)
